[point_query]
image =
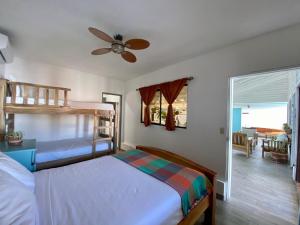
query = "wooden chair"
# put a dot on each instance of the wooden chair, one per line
(241, 142)
(278, 148)
(251, 133)
(254, 141)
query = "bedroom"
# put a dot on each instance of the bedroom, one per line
(52, 46)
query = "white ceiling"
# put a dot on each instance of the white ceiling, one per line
(55, 31)
(264, 88)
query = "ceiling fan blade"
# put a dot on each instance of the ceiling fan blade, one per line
(100, 34)
(101, 51)
(128, 56)
(137, 44)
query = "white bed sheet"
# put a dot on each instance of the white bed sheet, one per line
(62, 149)
(104, 191)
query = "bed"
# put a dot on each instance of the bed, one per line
(48, 151)
(153, 202)
(28, 98)
(86, 193)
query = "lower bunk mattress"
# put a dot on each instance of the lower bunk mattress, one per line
(62, 149)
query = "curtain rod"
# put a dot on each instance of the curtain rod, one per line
(188, 78)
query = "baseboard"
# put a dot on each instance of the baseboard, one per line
(220, 197)
(127, 146)
(221, 189)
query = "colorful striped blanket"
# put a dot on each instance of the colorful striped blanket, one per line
(190, 184)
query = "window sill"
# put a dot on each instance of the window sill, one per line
(162, 125)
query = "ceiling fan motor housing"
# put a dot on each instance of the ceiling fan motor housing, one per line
(117, 46)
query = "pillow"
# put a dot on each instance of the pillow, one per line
(17, 170)
(18, 204)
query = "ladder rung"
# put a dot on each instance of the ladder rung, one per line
(103, 127)
(102, 115)
(102, 139)
(107, 119)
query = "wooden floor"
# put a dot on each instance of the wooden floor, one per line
(263, 193)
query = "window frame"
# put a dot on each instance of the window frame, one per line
(160, 101)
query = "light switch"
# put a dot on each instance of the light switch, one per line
(222, 130)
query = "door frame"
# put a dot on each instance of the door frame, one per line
(228, 174)
(297, 135)
(121, 113)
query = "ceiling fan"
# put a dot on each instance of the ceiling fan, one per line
(117, 45)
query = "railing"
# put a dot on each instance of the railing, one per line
(37, 95)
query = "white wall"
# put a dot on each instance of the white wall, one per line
(84, 87)
(207, 95)
(265, 115)
(2, 70)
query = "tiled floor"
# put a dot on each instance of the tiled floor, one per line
(263, 193)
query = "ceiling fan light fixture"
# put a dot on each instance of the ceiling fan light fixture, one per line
(117, 47)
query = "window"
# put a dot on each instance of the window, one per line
(159, 108)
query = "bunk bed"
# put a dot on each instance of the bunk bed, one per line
(28, 98)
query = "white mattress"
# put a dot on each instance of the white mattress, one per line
(62, 149)
(71, 103)
(90, 105)
(104, 191)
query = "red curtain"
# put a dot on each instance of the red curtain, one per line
(147, 95)
(170, 91)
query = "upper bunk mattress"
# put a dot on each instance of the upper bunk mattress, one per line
(62, 149)
(104, 191)
(90, 105)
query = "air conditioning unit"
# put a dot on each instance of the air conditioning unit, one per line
(6, 55)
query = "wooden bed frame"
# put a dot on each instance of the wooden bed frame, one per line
(208, 204)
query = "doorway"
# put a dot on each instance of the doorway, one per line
(261, 152)
(116, 100)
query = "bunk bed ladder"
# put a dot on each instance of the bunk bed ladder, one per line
(98, 136)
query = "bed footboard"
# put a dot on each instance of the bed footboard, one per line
(208, 204)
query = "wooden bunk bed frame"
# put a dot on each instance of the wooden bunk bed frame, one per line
(208, 204)
(13, 107)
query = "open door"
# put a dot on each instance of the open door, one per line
(116, 100)
(295, 114)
